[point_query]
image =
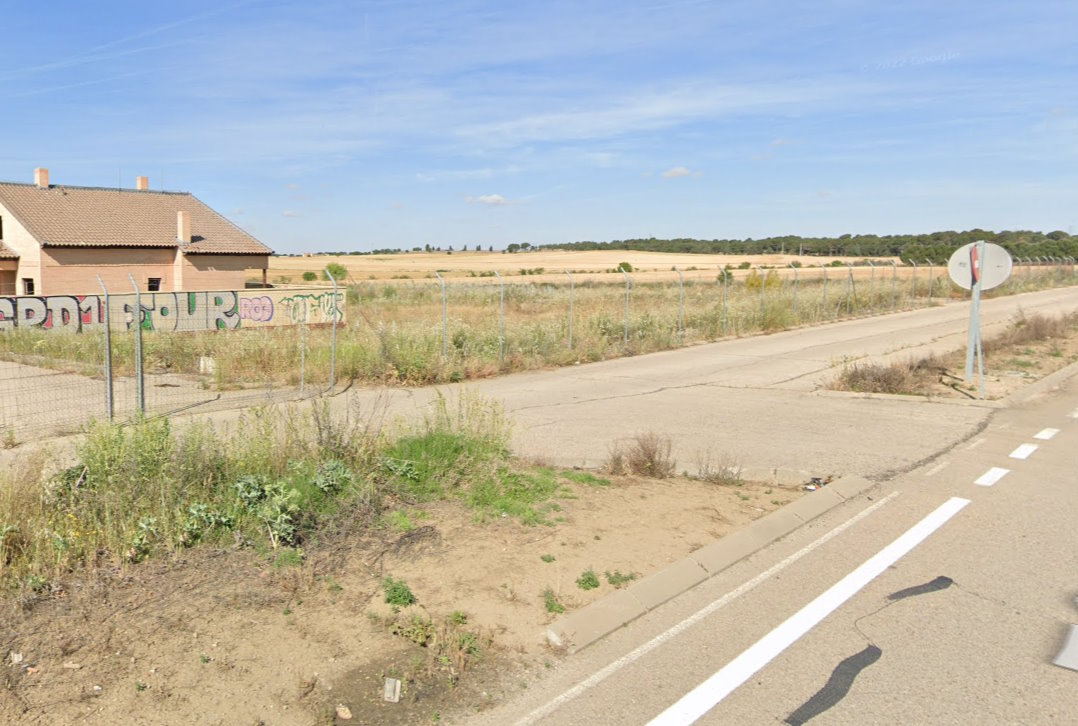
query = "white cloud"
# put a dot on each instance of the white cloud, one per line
(290, 213)
(292, 185)
(676, 172)
(493, 200)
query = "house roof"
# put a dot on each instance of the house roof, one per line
(68, 216)
(7, 253)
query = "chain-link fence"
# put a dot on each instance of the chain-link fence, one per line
(65, 360)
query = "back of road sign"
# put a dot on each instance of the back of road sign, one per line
(995, 267)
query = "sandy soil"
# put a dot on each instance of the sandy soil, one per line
(224, 636)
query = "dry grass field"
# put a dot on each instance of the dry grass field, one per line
(551, 263)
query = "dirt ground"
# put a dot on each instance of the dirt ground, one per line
(226, 636)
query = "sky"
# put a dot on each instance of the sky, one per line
(346, 125)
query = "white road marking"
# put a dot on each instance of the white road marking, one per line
(976, 443)
(1045, 434)
(642, 650)
(704, 697)
(992, 476)
(1074, 413)
(937, 468)
(1024, 451)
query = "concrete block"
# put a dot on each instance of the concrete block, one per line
(667, 583)
(813, 504)
(579, 629)
(850, 485)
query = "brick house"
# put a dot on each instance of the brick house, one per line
(57, 239)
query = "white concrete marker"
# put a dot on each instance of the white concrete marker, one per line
(642, 650)
(704, 697)
(1024, 451)
(1045, 434)
(992, 476)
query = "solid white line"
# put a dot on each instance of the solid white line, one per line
(642, 650)
(704, 697)
(1045, 434)
(991, 476)
(976, 443)
(937, 468)
(1024, 451)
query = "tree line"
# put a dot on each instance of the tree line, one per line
(936, 246)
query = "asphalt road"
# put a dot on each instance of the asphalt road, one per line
(960, 629)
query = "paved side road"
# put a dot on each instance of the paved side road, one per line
(941, 596)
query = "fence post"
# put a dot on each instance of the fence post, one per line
(931, 280)
(109, 400)
(680, 306)
(570, 308)
(825, 288)
(725, 286)
(797, 317)
(501, 320)
(333, 335)
(140, 382)
(303, 348)
(894, 285)
(445, 317)
(628, 284)
(849, 290)
(872, 287)
(913, 294)
(763, 294)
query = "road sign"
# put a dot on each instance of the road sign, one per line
(968, 263)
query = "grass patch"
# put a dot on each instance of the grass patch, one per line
(552, 603)
(588, 580)
(617, 579)
(397, 593)
(585, 477)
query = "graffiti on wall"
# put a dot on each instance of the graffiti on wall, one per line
(172, 311)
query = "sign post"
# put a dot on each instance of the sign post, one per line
(978, 266)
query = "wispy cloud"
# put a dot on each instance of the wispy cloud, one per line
(290, 213)
(677, 172)
(491, 200)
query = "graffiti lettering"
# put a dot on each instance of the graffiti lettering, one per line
(170, 311)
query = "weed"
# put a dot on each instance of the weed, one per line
(205, 658)
(617, 579)
(588, 580)
(397, 592)
(552, 603)
(140, 686)
(548, 558)
(585, 477)
(726, 471)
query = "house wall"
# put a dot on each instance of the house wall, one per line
(19, 240)
(219, 272)
(74, 270)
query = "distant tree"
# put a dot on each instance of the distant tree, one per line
(490, 249)
(426, 248)
(464, 248)
(513, 247)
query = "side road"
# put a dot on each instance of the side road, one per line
(753, 401)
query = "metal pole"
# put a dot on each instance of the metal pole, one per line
(849, 289)
(109, 400)
(303, 347)
(977, 255)
(797, 317)
(894, 285)
(501, 320)
(872, 287)
(140, 382)
(825, 288)
(628, 282)
(914, 286)
(333, 339)
(725, 285)
(445, 317)
(931, 280)
(680, 306)
(570, 309)
(763, 295)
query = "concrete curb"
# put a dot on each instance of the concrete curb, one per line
(579, 629)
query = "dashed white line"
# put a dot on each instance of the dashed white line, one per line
(704, 697)
(937, 468)
(642, 650)
(1024, 451)
(991, 476)
(976, 443)
(1045, 434)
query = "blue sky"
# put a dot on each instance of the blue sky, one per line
(328, 125)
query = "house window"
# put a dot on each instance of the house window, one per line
(154, 284)
(27, 286)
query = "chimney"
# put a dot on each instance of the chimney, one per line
(41, 177)
(142, 183)
(183, 227)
